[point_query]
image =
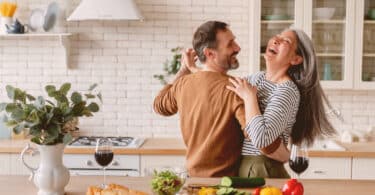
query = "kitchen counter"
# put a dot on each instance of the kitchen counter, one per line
(78, 185)
(174, 146)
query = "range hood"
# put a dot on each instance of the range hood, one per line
(106, 10)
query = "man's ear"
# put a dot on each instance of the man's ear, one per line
(209, 53)
(296, 60)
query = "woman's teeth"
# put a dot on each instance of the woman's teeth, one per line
(273, 51)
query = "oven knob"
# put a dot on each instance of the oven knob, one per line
(115, 163)
(89, 163)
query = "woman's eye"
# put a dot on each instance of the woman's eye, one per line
(287, 41)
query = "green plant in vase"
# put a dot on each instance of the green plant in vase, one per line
(49, 121)
(171, 67)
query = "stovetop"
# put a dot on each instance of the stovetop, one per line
(121, 142)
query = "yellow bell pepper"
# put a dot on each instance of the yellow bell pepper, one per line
(270, 191)
(207, 191)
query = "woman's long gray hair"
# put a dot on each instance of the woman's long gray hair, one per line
(311, 120)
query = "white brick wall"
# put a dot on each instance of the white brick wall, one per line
(122, 56)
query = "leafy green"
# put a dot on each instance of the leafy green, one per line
(171, 67)
(166, 182)
(49, 121)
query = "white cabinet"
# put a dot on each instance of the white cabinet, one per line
(158, 161)
(363, 168)
(326, 168)
(11, 164)
(364, 45)
(5, 164)
(344, 42)
(17, 167)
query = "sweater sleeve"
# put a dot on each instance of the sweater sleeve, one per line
(265, 129)
(165, 102)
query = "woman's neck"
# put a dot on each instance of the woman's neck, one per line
(276, 75)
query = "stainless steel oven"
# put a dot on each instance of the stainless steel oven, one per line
(122, 165)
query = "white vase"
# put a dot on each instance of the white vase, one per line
(51, 176)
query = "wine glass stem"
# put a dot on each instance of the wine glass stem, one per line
(104, 178)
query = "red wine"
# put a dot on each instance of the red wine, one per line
(299, 164)
(103, 158)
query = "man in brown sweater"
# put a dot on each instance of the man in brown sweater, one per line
(211, 116)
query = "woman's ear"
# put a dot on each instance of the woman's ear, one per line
(296, 60)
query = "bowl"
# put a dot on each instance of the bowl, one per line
(166, 180)
(324, 13)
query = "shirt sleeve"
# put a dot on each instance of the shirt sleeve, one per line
(165, 102)
(265, 129)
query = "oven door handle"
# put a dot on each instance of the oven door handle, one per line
(89, 163)
(115, 163)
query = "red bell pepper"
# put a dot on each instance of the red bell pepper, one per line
(293, 187)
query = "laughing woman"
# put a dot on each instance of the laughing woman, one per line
(286, 101)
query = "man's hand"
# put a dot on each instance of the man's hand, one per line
(188, 59)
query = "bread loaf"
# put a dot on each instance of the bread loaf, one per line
(113, 189)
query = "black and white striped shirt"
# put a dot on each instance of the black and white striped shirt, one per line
(278, 104)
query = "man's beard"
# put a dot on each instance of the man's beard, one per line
(234, 65)
(231, 63)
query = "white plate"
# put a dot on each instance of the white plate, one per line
(50, 16)
(36, 20)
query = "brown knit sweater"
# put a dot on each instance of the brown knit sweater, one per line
(211, 118)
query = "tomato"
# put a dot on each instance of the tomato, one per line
(257, 191)
(293, 187)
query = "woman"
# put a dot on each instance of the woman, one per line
(284, 101)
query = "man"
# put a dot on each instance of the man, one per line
(211, 116)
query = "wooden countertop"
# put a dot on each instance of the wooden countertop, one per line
(78, 185)
(174, 146)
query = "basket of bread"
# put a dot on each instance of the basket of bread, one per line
(113, 189)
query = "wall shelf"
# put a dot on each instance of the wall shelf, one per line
(63, 38)
(329, 21)
(277, 21)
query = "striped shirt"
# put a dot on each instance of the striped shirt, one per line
(278, 104)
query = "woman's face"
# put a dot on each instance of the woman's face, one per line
(281, 50)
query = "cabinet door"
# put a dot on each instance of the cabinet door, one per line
(326, 168)
(365, 47)
(159, 161)
(331, 24)
(5, 164)
(363, 168)
(269, 18)
(18, 168)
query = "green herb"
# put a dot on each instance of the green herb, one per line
(49, 121)
(166, 182)
(170, 67)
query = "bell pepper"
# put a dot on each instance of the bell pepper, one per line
(207, 191)
(268, 191)
(293, 187)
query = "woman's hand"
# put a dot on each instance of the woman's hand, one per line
(188, 59)
(242, 88)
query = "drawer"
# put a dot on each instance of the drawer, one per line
(88, 161)
(363, 168)
(326, 168)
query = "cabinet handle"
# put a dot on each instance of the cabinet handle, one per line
(319, 172)
(89, 163)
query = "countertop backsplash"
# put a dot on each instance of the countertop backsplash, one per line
(123, 56)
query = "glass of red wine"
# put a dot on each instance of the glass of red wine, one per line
(299, 159)
(103, 155)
